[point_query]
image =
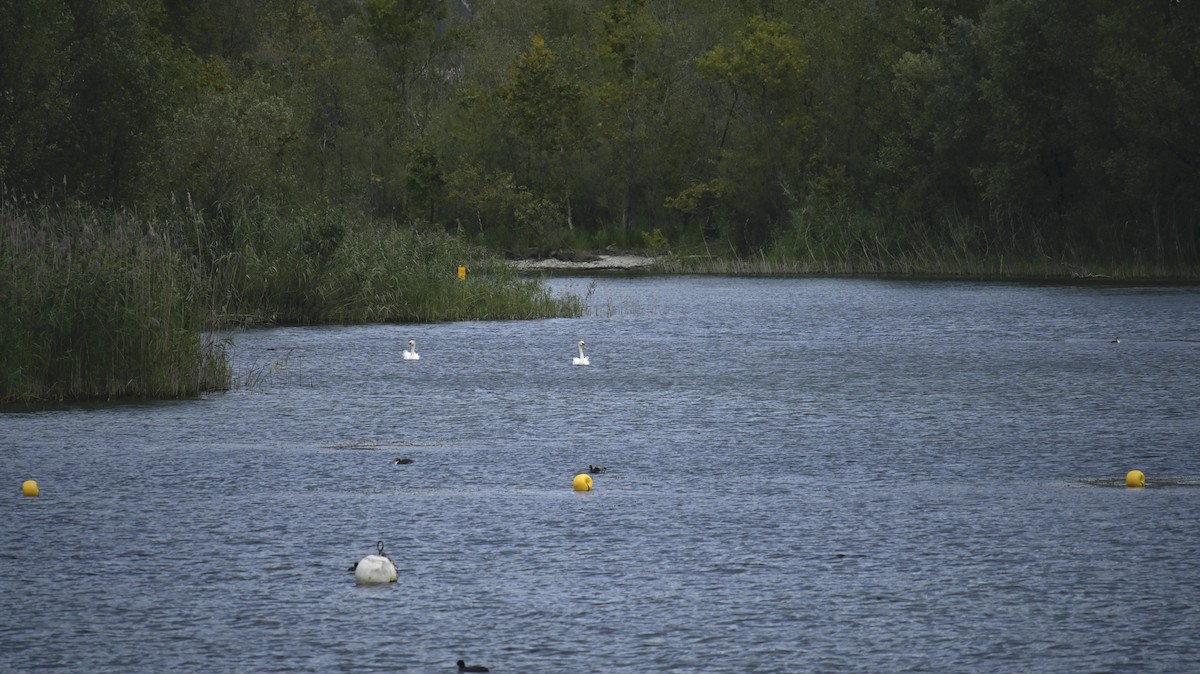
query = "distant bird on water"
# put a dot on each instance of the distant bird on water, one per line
(1116, 340)
(581, 359)
(464, 667)
(411, 353)
(401, 462)
(596, 470)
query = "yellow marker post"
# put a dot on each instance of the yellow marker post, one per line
(462, 273)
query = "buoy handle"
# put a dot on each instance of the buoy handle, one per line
(379, 547)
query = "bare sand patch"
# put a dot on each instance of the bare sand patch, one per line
(602, 262)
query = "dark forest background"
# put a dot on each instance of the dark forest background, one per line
(812, 128)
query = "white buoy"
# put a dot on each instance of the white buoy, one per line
(581, 359)
(375, 569)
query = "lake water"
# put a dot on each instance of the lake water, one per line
(805, 475)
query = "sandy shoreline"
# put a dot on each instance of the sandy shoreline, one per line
(601, 263)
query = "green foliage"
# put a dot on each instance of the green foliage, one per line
(767, 127)
(303, 161)
(224, 151)
(932, 155)
(84, 85)
(395, 24)
(634, 72)
(654, 242)
(103, 304)
(532, 124)
(697, 197)
(542, 100)
(507, 215)
(542, 106)
(327, 266)
(99, 305)
(33, 104)
(425, 183)
(766, 61)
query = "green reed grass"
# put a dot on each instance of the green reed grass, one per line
(98, 305)
(107, 304)
(862, 244)
(883, 263)
(329, 268)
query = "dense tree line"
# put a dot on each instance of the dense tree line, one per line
(1032, 127)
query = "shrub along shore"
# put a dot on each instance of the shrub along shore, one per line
(1018, 266)
(874, 259)
(102, 304)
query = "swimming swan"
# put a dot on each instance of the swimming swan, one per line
(581, 359)
(411, 353)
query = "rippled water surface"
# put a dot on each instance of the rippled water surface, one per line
(804, 476)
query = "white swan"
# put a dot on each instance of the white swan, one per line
(581, 359)
(411, 353)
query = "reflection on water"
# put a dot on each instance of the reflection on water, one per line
(803, 475)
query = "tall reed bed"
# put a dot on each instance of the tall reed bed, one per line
(97, 304)
(333, 268)
(107, 304)
(864, 244)
(765, 264)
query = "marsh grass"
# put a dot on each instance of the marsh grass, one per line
(113, 304)
(98, 305)
(257, 377)
(961, 247)
(328, 268)
(949, 266)
(326, 265)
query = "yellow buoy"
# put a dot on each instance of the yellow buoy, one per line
(1135, 478)
(29, 488)
(583, 482)
(462, 273)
